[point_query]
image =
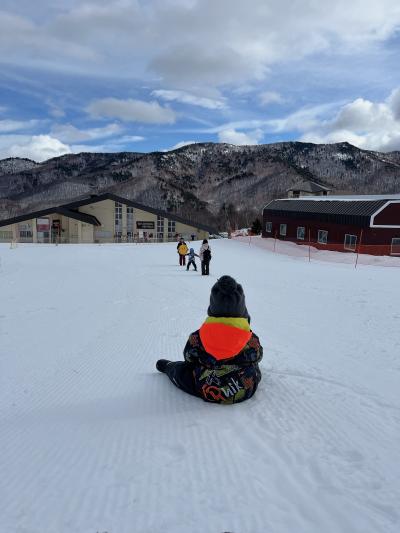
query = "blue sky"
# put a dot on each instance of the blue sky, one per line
(132, 75)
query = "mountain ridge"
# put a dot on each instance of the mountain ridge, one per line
(202, 180)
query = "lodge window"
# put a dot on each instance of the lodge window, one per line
(350, 242)
(25, 230)
(395, 248)
(301, 231)
(322, 236)
(118, 218)
(283, 229)
(160, 227)
(171, 229)
(6, 235)
(25, 234)
(129, 220)
(268, 227)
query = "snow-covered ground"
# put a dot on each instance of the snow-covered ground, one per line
(302, 251)
(93, 439)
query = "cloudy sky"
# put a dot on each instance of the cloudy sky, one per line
(144, 75)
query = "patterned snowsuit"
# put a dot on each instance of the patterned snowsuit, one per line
(221, 362)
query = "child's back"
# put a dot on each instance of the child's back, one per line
(221, 358)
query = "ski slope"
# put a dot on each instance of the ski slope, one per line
(93, 439)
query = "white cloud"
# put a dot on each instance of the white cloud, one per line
(303, 119)
(125, 139)
(37, 147)
(231, 136)
(42, 147)
(394, 103)
(189, 42)
(24, 42)
(70, 134)
(270, 97)
(7, 126)
(55, 110)
(132, 111)
(191, 99)
(366, 124)
(180, 145)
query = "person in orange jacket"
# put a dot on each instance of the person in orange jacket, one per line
(221, 358)
(182, 251)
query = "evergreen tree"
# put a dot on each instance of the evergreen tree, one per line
(256, 227)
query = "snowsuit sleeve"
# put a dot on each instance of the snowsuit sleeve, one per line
(253, 351)
(191, 352)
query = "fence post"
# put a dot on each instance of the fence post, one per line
(275, 242)
(309, 245)
(358, 249)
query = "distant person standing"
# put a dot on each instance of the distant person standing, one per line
(182, 251)
(205, 258)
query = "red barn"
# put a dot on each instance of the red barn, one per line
(368, 224)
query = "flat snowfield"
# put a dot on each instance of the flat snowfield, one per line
(93, 439)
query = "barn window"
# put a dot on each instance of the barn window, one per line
(350, 242)
(301, 231)
(282, 229)
(322, 236)
(395, 249)
(268, 227)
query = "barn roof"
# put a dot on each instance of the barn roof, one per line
(340, 211)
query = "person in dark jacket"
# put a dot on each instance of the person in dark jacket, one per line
(221, 358)
(205, 258)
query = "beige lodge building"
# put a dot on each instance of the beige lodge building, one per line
(100, 219)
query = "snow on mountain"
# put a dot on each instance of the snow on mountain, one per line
(203, 179)
(94, 439)
(11, 165)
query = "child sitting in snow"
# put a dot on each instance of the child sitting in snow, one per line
(191, 261)
(221, 358)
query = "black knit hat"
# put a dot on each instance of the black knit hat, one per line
(227, 299)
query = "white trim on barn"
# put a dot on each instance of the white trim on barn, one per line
(372, 225)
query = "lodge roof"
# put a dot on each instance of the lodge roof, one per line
(71, 210)
(82, 217)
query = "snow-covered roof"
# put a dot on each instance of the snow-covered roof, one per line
(346, 209)
(345, 198)
(308, 186)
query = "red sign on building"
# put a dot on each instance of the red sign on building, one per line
(43, 224)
